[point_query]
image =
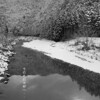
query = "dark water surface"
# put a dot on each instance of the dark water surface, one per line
(35, 87)
(35, 76)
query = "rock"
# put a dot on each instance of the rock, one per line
(1, 78)
(4, 60)
(5, 82)
(7, 75)
(9, 47)
(2, 71)
(5, 53)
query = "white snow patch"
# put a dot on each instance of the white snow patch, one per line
(1, 78)
(61, 51)
(4, 58)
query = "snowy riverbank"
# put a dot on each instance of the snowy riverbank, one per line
(5, 53)
(70, 52)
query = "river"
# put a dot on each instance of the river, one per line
(35, 76)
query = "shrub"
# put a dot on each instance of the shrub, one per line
(77, 18)
(60, 19)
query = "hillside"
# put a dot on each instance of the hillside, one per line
(30, 13)
(53, 19)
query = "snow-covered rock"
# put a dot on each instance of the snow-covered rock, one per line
(4, 59)
(1, 78)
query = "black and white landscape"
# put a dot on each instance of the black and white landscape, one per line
(49, 50)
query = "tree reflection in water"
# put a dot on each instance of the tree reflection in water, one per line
(85, 78)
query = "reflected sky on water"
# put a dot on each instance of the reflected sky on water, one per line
(36, 87)
(84, 84)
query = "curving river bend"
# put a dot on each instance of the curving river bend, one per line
(35, 76)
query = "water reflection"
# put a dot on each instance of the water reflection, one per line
(84, 79)
(51, 87)
(35, 63)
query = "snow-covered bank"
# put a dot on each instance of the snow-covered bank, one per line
(4, 60)
(63, 51)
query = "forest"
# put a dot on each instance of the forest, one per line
(56, 20)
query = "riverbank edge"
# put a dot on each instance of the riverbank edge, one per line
(86, 78)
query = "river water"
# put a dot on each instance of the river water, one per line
(36, 87)
(35, 76)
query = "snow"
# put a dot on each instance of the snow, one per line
(66, 52)
(4, 59)
(1, 78)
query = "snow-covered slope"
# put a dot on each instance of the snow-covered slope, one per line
(68, 52)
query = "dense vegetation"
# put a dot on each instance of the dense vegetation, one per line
(52, 19)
